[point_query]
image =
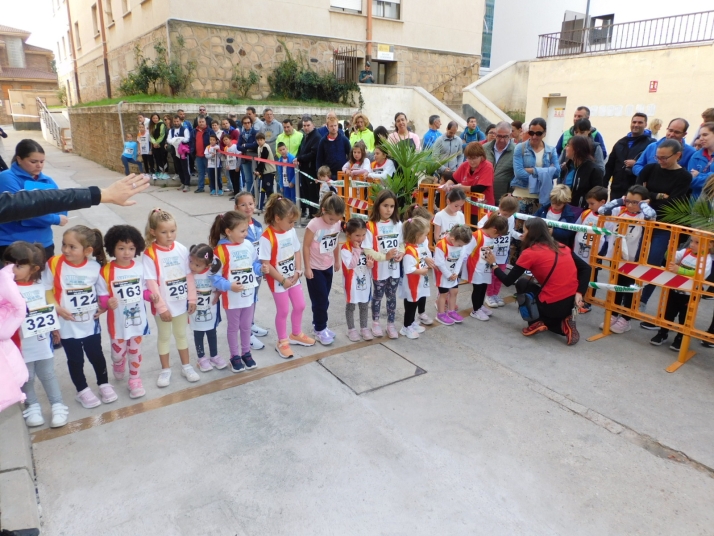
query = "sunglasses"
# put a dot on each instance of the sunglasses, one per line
(535, 132)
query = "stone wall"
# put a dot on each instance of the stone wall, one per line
(441, 74)
(41, 62)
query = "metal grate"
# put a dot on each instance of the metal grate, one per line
(344, 64)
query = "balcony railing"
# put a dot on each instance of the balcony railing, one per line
(690, 28)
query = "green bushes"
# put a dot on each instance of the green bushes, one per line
(163, 73)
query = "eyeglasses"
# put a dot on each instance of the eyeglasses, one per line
(535, 133)
(504, 137)
(664, 158)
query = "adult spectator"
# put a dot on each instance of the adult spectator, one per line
(581, 112)
(701, 165)
(475, 174)
(472, 132)
(157, 133)
(676, 130)
(178, 135)
(362, 133)
(185, 122)
(203, 114)
(366, 76)
(307, 157)
(580, 173)
(333, 150)
(381, 135)
(254, 119)
(227, 127)
(433, 133)
(290, 137)
(248, 146)
(535, 165)
(707, 117)
(143, 120)
(655, 126)
(233, 119)
(323, 130)
(25, 173)
(563, 274)
(667, 181)
(516, 131)
(584, 128)
(447, 149)
(402, 133)
(382, 165)
(624, 155)
(500, 153)
(271, 128)
(490, 134)
(199, 140)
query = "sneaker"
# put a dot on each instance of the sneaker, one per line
(322, 337)
(220, 192)
(416, 327)
(164, 378)
(642, 307)
(330, 332)
(107, 393)
(571, 332)
(708, 297)
(613, 319)
(479, 315)
(353, 335)
(706, 344)
(213, 193)
(87, 398)
(301, 339)
(136, 389)
(676, 343)
(154, 177)
(232, 198)
(658, 339)
(33, 415)
(185, 189)
(255, 344)
(283, 349)
(425, 319)
(377, 330)
(204, 364)
(620, 326)
(256, 330)
(366, 334)
(198, 191)
(409, 332)
(485, 310)
(119, 369)
(237, 364)
(444, 318)
(648, 325)
(249, 361)
(535, 327)
(391, 331)
(491, 301)
(188, 372)
(456, 317)
(218, 362)
(500, 301)
(60, 415)
(586, 307)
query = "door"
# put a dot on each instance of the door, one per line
(555, 120)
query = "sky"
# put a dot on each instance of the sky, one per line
(16, 13)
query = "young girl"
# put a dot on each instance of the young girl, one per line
(475, 269)
(213, 164)
(418, 211)
(143, 138)
(73, 278)
(237, 283)
(205, 319)
(35, 340)
(451, 215)
(168, 275)
(282, 264)
(384, 237)
(231, 162)
(415, 281)
(358, 165)
(446, 256)
(324, 177)
(122, 291)
(321, 257)
(507, 207)
(357, 275)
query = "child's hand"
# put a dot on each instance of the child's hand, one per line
(64, 313)
(191, 308)
(154, 298)
(288, 282)
(337, 266)
(99, 313)
(430, 262)
(391, 254)
(236, 287)
(399, 256)
(370, 262)
(672, 267)
(452, 277)
(166, 316)
(308, 273)
(215, 298)
(113, 303)
(56, 337)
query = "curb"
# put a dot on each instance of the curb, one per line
(18, 498)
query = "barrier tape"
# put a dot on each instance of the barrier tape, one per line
(614, 288)
(660, 276)
(247, 157)
(309, 203)
(359, 204)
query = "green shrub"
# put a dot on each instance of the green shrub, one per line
(162, 73)
(243, 83)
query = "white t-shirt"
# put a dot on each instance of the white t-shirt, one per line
(127, 285)
(412, 287)
(446, 222)
(554, 216)
(144, 143)
(539, 157)
(474, 267)
(358, 279)
(502, 244)
(584, 241)
(172, 276)
(388, 236)
(212, 160)
(446, 258)
(35, 347)
(280, 249)
(366, 166)
(207, 314)
(238, 268)
(633, 235)
(231, 161)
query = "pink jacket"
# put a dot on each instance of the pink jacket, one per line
(13, 371)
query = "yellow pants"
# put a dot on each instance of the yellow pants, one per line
(178, 326)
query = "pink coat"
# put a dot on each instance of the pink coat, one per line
(13, 371)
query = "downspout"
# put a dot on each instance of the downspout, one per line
(74, 54)
(121, 121)
(107, 79)
(168, 42)
(368, 55)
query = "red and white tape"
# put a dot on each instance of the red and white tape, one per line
(657, 276)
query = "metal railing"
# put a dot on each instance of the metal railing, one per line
(49, 122)
(690, 28)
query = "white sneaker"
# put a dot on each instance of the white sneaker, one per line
(164, 378)
(485, 310)
(188, 372)
(256, 330)
(60, 414)
(479, 315)
(409, 333)
(255, 344)
(491, 301)
(417, 327)
(613, 319)
(33, 415)
(621, 325)
(500, 301)
(425, 319)
(153, 177)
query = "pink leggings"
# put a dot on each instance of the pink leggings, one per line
(282, 304)
(495, 287)
(239, 323)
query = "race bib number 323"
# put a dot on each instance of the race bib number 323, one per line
(40, 321)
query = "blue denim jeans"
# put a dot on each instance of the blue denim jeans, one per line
(246, 169)
(319, 289)
(658, 248)
(126, 161)
(201, 165)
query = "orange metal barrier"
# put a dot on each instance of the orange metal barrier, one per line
(668, 281)
(436, 201)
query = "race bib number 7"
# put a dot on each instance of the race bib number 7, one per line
(40, 321)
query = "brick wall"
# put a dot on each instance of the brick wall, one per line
(38, 61)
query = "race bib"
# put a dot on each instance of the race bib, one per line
(286, 182)
(128, 291)
(177, 289)
(451, 261)
(129, 151)
(501, 245)
(245, 277)
(328, 243)
(203, 300)
(387, 242)
(256, 245)
(40, 321)
(287, 267)
(82, 300)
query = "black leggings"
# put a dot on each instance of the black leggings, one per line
(181, 167)
(234, 174)
(551, 314)
(410, 309)
(148, 160)
(478, 294)
(160, 159)
(212, 342)
(266, 190)
(75, 350)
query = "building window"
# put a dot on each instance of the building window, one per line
(487, 35)
(350, 6)
(108, 12)
(95, 20)
(76, 36)
(125, 6)
(387, 9)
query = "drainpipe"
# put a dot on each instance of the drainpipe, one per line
(74, 54)
(369, 31)
(107, 79)
(168, 42)
(121, 121)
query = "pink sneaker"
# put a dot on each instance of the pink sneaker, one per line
(107, 394)
(136, 389)
(444, 318)
(87, 398)
(204, 364)
(485, 310)
(119, 369)
(218, 362)
(366, 334)
(392, 332)
(353, 335)
(456, 317)
(377, 330)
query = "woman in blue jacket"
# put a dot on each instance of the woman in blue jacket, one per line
(25, 173)
(701, 165)
(535, 165)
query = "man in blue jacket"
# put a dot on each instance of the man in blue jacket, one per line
(581, 112)
(433, 133)
(676, 130)
(334, 149)
(199, 142)
(472, 132)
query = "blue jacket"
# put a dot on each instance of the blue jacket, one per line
(541, 182)
(333, 153)
(649, 155)
(429, 138)
(290, 171)
(246, 141)
(476, 135)
(704, 164)
(569, 215)
(206, 135)
(35, 229)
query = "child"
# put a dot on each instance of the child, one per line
(357, 275)
(122, 291)
(144, 140)
(245, 204)
(417, 211)
(282, 264)
(205, 319)
(595, 198)
(559, 209)
(321, 257)
(231, 162)
(130, 154)
(415, 281)
(264, 171)
(475, 269)
(507, 207)
(451, 215)
(36, 344)
(635, 206)
(358, 165)
(213, 163)
(324, 176)
(686, 262)
(73, 278)
(286, 173)
(237, 282)
(384, 237)
(168, 275)
(446, 256)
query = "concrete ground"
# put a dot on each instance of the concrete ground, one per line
(472, 429)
